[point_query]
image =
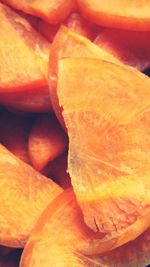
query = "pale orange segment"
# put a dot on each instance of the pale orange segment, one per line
(24, 195)
(106, 110)
(70, 44)
(53, 11)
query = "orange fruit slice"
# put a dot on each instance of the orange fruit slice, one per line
(53, 11)
(19, 38)
(106, 110)
(61, 248)
(24, 195)
(126, 14)
(70, 44)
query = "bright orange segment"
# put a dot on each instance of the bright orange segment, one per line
(20, 45)
(24, 195)
(47, 141)
(125, 14)
(53, 11)
(108, 147)
(69, 44)
(61, 248)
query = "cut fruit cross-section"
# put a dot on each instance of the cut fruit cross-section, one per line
(48, 247)
(25, 193)
(70, 44)
(107, 111)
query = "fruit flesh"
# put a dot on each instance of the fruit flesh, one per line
(69, 44)
(125, 14)
(108, 161)
(19, 38)
(53, 11)
(61, 248)
(24, 195)
(57, 248)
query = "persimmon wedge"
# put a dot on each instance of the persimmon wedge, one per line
(47, 140)
(47, 247)
(70, 44)
(125, 14)
(106, 110)
(53, 11)
(131, 47)
(25, 193)
(24, 54)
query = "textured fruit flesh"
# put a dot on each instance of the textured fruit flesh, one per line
(130, 47)
(106, 110)
(19, 45)
(24, 195)
(53, 11)
(69, 44)
(61, 248)
(47, 140)
(126, 14)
